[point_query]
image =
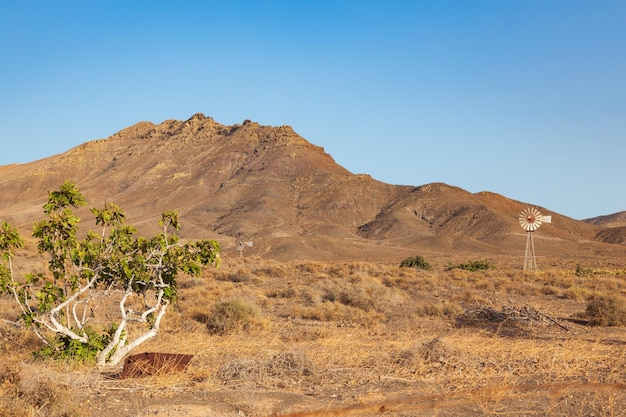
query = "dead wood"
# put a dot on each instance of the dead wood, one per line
(523, 314)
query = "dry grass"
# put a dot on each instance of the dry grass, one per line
(348, 336)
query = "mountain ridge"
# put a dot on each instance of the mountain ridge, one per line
(268, 184)
(610, 220)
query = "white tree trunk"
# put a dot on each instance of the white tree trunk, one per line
(122, 349)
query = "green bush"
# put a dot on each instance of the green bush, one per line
(417, 262)
(581, 272)
(472, 266)
(606, 310)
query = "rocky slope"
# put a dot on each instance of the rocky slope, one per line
(271, 186)
(610, 220)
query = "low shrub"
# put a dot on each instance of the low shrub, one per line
(417, 262)
(367, 294)
(548, 289)
(606, 310)
(445, 309)
(233, 315)
(288, 292)
(240, 275)
(472, 266)
(581, 272)
(28, 397)
(332, 311)
(272, 269)
(578, 293)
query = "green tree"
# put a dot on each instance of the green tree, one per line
(138, 273)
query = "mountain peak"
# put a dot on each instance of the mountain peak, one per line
(198, 116)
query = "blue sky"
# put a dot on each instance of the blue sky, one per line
(523, 98)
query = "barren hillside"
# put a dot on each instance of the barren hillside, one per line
(610, 220)
(271, 186)
(614, 227)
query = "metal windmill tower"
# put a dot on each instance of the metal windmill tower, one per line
(240, 245)
(530, 219)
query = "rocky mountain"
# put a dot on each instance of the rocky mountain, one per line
(288, 196)
(615, 227)
(611, 220)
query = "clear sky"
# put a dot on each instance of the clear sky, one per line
(525, 98)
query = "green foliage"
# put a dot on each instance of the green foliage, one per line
(472, 266)
(10, 239)
(82, 270)
(67, 196)
(581, 272)
(609, 310)
(417, 262)
(63, 347)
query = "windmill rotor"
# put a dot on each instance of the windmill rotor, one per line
(530, 219)
(240, 245)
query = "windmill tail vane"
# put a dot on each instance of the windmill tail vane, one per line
(531, 219)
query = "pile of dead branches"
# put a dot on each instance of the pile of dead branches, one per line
(518, 315)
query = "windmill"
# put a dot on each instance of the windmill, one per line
(240, 245)
(530, 219)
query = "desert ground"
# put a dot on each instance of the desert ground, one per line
(307, 338)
